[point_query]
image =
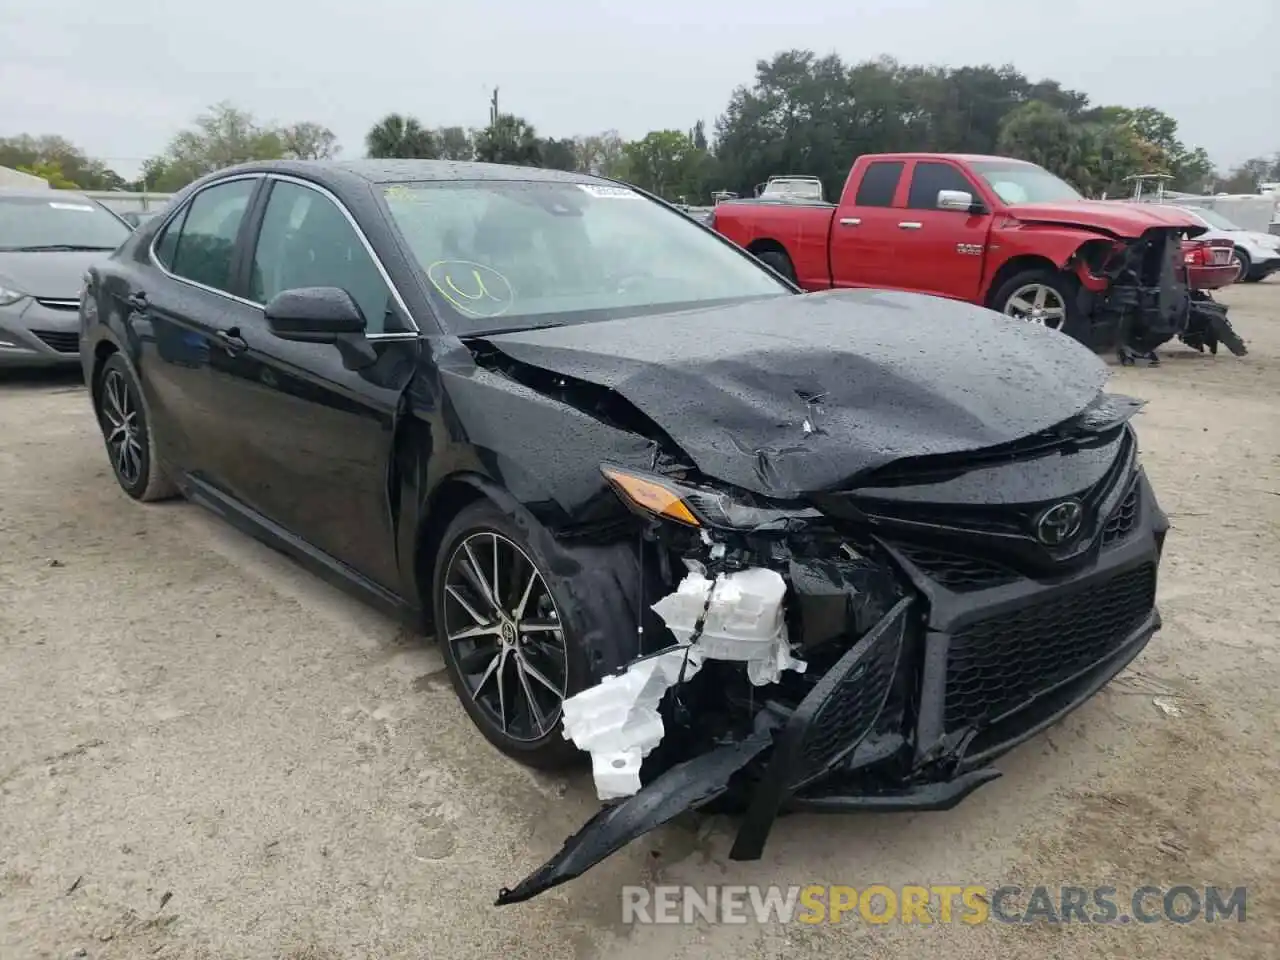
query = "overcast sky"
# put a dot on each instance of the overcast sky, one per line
(120, 77)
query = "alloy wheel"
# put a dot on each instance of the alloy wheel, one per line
(505, 635)
(122, 427)
(1237, 261)
(1037, 303)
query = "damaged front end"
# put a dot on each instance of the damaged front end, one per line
(1142, 293)
(866, 649)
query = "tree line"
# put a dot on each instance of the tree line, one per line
(801, 114)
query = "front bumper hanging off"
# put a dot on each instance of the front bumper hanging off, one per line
(914, 713)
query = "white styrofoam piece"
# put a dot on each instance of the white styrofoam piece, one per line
(744, 620)
(617, 720)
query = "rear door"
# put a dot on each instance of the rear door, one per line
(182, 308)
(864, 232)
(311, 439)
(940, 251)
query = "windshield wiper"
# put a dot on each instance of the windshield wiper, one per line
(60, 247)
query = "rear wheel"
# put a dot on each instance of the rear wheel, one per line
(127, 433)
(778, 261)
(1240, 260)
(511, 653)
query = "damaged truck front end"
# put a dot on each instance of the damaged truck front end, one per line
(1140, 293)
(870, 648)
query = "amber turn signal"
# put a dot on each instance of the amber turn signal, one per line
(650, 495)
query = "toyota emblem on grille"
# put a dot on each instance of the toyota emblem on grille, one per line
(1060, 523)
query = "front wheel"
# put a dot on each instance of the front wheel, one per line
(1042, 296)
(511, 653)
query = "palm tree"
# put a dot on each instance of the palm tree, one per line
(510, 139)
(400, 136)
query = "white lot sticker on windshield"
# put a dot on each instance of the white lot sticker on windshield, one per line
(609, 193)
(472, 288)
(71, 206)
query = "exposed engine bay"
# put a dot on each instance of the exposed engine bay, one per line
(864, 649)
(1137, 295)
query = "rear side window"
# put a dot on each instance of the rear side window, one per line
(928, 178)
(205, 245)
(879, 184)
(168, 241)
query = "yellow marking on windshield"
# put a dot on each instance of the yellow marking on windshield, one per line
(472, 288)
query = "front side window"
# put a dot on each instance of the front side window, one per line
(1017, 182)
(508, 254)
(203, 249)
(307, 241)
(928, 178)
(50, 221)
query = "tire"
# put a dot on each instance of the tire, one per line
(498, 647)
(1024, 289)
(1243, 264)
(779, 262)
(126, 431)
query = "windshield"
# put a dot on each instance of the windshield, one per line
(501, 255)
(1024, 182)
(58, 223)
(1214, 219)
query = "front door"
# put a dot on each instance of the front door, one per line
(315, 438)
(941, 251)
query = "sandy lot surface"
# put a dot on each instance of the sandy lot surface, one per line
(207, 753)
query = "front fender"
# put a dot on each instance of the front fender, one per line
(1051, 242)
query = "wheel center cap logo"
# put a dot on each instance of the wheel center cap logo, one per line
(1060, 523)
(508, 633)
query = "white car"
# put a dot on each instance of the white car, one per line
(1256, 255)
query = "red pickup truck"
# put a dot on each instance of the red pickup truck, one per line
(994, 231)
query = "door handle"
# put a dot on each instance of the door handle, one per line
(137, 301)
(231, 341)
(850, 221)
(911, 225)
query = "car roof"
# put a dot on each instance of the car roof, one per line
(42, 193)
(409, 171)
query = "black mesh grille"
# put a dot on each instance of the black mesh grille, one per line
(849, 709)
(1123, 519)
(62, 342)
(956, 571)
(997, 664)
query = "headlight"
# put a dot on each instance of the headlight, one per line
(9, 295)
(695, 506)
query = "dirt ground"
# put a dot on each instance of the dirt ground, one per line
(207, 753)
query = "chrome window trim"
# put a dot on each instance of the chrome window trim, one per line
(285, 178)
(151, 248)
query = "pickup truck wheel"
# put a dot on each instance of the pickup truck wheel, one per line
(778, 261)
(1046, 297)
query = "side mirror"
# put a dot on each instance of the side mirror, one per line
(314, 315)
(958, 200)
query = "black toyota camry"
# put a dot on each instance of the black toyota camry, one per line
(739, 545)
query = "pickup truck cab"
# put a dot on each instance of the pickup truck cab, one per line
(994, 231)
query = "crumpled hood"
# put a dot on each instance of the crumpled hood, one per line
(51, 274)
(799, 394)
(1122, 219)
